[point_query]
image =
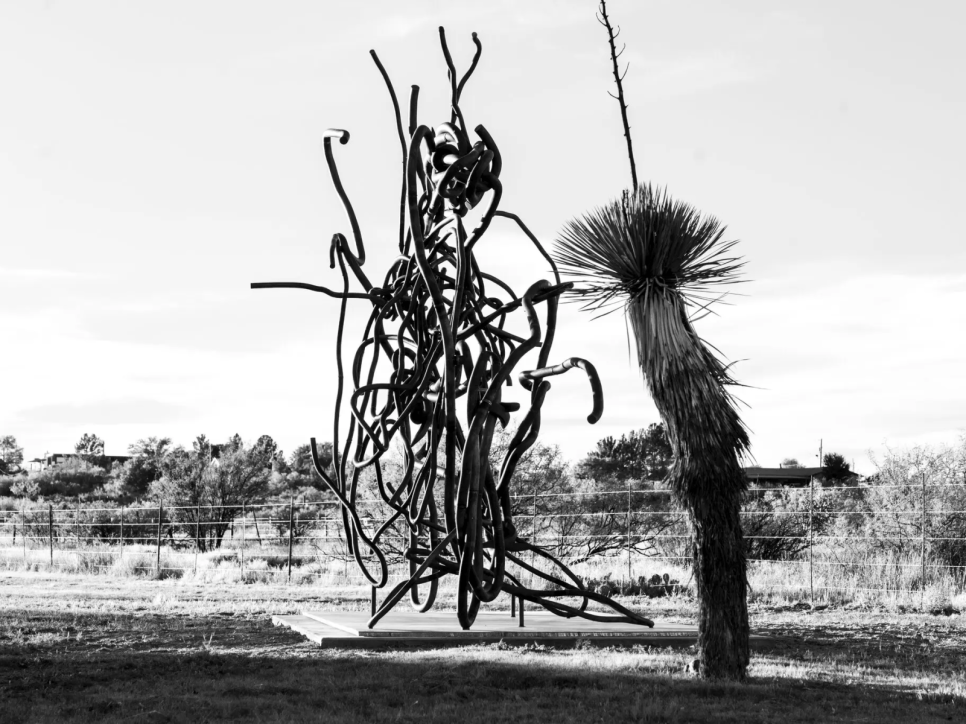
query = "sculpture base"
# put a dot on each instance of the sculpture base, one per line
(403, 629)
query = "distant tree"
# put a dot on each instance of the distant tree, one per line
(202, 447)
(11, 455)
(300, 460)
(133, 479)
(641, 455)
(213, 490)
(326, 456)
(90, 447)
(835, 468)
(267, 446)
(791, 463)
(152, 447)
(301, 471)
(182, 473)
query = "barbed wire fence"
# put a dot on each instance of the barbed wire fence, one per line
(814, 542)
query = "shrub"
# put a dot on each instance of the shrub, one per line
(775, 522)
(72, 478)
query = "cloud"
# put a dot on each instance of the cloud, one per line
(193, 321)
(6, 273)
(105, 412)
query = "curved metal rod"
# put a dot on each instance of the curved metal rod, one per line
(438, 330)
(311, 288)
(343, 138)
(527, 377)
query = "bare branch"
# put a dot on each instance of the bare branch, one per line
(620, 88)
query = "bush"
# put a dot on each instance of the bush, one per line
(144, 564)
(656, 585)
(908, 480)
(776, 522)
(72, 478)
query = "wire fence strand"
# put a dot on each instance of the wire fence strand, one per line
(906, 538)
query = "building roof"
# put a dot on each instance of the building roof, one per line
(52, 457)
(789, 474)
(782, 473)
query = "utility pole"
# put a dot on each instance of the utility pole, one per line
(811, 528)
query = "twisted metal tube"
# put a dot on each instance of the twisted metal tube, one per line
(437, 328)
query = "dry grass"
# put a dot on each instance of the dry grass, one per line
(86, 648)
(841, 576)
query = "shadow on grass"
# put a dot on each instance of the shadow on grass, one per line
(158, 668)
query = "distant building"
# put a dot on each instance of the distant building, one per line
(43, 463)
(788, 477)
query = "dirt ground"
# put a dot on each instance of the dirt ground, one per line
(95, 648)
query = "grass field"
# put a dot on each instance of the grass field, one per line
(97, 648)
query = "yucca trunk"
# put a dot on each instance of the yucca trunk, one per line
(687, 382)
(719, 574)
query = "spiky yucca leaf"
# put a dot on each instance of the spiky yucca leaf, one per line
(645, 241)
(658, 258)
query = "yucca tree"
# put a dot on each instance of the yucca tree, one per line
(660, 260)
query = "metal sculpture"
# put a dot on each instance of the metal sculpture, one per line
(438, 328)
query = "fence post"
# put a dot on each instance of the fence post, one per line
(533, 526)
(158, 560)
(629, 583)
(23, 531)
(922, 587)
(243, 543)
(811, 539)
(121, 537)
(50, 531)
(291, 533)
(197, 535)
(258, 535)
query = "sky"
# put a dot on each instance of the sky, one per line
(156, 158)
